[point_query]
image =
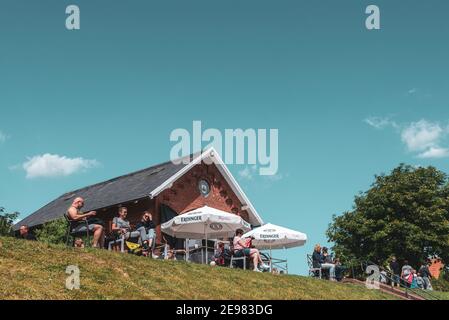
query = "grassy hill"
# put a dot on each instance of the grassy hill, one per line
(31, 270)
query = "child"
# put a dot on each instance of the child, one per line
(420, 281)
(219, 254)
(413, 280)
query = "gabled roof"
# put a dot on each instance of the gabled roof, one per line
(212, 156)
(134, 186)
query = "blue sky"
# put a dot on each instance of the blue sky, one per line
(349, 103)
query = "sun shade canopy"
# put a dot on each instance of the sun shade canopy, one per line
(205, 221)
(271, 236)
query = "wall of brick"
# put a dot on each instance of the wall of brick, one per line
(185, 196)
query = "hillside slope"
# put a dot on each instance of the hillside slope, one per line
(31, 270)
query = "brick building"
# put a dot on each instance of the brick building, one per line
(164, 190)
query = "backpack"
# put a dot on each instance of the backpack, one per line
(409, 278)
(134, 248)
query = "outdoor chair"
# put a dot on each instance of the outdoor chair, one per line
(118, 240)
(274, 263)
(114, 239)
(71, 232)
(241, 261)
(313, 272)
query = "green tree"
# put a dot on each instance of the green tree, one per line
(52, 232)
(404, 214)
(7, 221)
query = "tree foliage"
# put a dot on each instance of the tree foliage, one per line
(405, 214)
(7, 222)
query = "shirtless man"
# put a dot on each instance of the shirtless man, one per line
(75, 214)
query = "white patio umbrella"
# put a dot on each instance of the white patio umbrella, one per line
(271, 236)
(203, 223)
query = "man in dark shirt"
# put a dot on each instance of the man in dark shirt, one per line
(24, 232)
(396, 270)
(150, 227)
(426, 276)
(316, 257)
(147, 221)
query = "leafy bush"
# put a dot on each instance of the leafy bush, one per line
(6, 222)
(52, 232)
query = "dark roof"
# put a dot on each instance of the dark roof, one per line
(133, 186)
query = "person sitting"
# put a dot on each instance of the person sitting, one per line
(74, 214)
(147, 223)
(219, 255)
(24, 233)
(328, 263)
(170, 253)
(122, 227)
(79, 243)
(242, 249)
(323, 260)
(316, 258)
(339, 270)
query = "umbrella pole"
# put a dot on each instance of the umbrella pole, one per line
(286, 260)
(271, 261)
(206, 247)
(187, 250)
(203, 259)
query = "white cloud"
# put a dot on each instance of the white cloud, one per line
(412, 91)
(424, 138)
(52, 165)
(3, 137)
(434, 152)
(422, 135)
(380, 123)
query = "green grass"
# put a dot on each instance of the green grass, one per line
(440, 295)
(31, 270)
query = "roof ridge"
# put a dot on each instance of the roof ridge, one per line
(123, 176)
(116, 178)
